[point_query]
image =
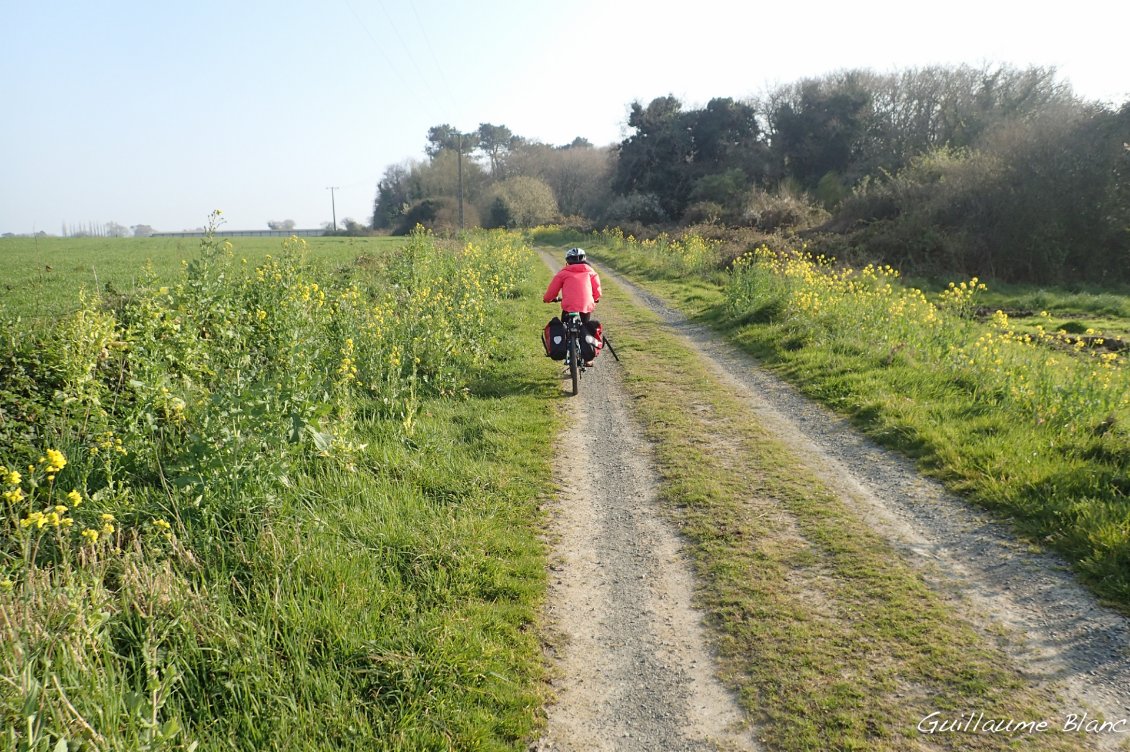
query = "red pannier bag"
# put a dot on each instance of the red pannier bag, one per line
(593, 342)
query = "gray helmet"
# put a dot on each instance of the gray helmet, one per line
(575, 256)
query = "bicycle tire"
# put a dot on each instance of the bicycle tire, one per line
(575, 363)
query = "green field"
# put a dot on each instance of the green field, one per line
(287, 503)
(42, 276)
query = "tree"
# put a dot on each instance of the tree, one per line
(653, 160)
(285, 224)
(578, 175)
(142, 231)
(447, 138)
(396, 190)
(673, 151)
(726, 136)
(521, 202)
(353, 228)
(495, 141)
(819, 129)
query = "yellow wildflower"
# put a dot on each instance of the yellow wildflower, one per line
(75, 498)
(90, 534)
(55, 461)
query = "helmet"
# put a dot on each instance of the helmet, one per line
(575, 256)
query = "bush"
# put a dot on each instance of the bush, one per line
(1039, 201)
(635, 207)
(782, 210)
(437, 214)
(704, 212)
(520, 202)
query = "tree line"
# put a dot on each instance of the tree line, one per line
(990, 170)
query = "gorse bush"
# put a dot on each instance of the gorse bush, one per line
(141, 441)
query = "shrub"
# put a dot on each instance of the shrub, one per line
(771, 212)
(437, 214)
(520, 202)
(635, 207)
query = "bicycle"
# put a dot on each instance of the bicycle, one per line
(574, 334)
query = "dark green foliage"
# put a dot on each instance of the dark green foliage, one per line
(672, 151)
(819, 131)
(1042, 200)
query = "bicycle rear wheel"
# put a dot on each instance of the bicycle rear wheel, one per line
(575, 363)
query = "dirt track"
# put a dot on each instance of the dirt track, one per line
(633, 668)
(611, 600)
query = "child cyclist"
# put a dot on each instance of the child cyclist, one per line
(577, 286)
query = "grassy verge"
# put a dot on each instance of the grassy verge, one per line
(1031, 432)
(831, 641)
(308, 510)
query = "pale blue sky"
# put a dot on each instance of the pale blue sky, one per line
(157, 113)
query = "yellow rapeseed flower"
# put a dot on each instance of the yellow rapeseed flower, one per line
(90, 534)
(55, 461)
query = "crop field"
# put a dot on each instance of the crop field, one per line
(44, 275)
(269, 495)
(1027, 416)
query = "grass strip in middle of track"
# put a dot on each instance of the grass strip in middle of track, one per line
(831, 640)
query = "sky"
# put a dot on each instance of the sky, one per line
(157, 113)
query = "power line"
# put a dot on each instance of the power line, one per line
(432, 52)
(392, 65)
(407, 49)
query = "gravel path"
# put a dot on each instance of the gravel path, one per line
(632, 670)
(1060, 636)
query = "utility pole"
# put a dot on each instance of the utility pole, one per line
(460, 181)
(333, 205)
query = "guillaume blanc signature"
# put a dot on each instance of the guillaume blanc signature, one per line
(978, 723)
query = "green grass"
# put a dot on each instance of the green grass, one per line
(378, 593)
(1063, 484)
(831, 641)
(1106, 311)
(114, 265)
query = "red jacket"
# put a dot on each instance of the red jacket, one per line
(579, 286)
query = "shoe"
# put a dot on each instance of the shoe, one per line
(588, 364)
